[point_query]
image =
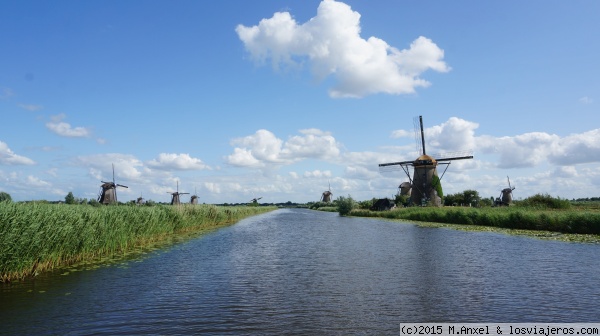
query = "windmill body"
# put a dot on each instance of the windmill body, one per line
(425, 184)
(194, 198)
(506, 195)
(326, 196)
(175, 199)
(108, 190)
(405, 189)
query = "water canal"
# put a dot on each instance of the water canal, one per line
(295, 271)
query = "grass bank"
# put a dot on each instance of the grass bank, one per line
(577, 220)
(40, 237)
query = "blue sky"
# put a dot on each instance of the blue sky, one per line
(280, 99)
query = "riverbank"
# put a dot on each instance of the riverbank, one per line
(36, 238)
(575, 221)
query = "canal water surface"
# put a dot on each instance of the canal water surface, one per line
(295, 271)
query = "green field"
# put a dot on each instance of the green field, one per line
(40, 237)
(579, 219)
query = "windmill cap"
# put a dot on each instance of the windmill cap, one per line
(425, 160)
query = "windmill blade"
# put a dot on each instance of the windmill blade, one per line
(455, 158)
(113, 168)
(184, 193)
(511, 188)
(120, 185)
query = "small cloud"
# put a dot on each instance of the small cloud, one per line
(263, 148)
(6, 93)
(401, 134)
(317, 174)
(52, 172)
(101, 141)
(167, 161)
(8, 157)
(31, 107)
(586, 100)
(33, 181)
(64, 129)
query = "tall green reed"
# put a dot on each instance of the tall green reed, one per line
(39, 237)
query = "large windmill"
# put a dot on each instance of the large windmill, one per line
(175, 195)
(326, 196)
(108, 190)
(506, 195)
(425, 182)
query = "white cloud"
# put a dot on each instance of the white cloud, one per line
(361, 173)
(33, 181)
(401, 134)
(332, 43)
(263, 148)
(313, 143)
(517, 151)
(168, 161)
(317, 173)
(61, 128)
(8, 157)
(31, 107)
(586, 100)
(576, 148)
(100, 166)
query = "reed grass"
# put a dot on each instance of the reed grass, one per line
(578, 221)
(40, 237)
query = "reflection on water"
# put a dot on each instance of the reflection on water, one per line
(305, 272)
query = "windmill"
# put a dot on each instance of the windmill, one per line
(505, 195)
(404, 189)
(194, 198)
(108, 190)
(326, 196)
(175, 196)
(254, 201)
(425, 183)
(140, 200)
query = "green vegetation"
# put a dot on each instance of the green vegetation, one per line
(70, 199)
(5, 197)
(538, 212)
(345, 205)
(544, 201)
(38, 237)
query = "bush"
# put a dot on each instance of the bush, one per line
(70, 199)
(544, 201)
(5, 197)
(345, 205)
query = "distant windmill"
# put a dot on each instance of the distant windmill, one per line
(108, 190)
(425, 182)
(404, 189)
(175, 196)
(194, 198)
(254, 201)
(506, 195)
(140, 200)
(326, 196)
